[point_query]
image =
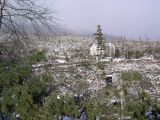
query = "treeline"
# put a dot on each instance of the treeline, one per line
(128, 54)
(137, 54)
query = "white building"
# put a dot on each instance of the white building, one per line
(109, 52)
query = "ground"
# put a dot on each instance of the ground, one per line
(75, 71)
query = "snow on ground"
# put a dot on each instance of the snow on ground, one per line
(126, 67)
(60, 61)
(137, 66)
(60, 47)
(118, 59)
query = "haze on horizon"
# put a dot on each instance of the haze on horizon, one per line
(130, 18)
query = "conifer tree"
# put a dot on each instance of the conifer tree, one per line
(21, 89)
(117, 53)
(100, 41)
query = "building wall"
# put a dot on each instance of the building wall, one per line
(109, 50)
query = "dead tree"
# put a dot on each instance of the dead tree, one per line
(20, 18)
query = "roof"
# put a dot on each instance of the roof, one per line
(109, 75)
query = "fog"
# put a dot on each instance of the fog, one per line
(131, 18)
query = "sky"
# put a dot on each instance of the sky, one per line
(130, 18)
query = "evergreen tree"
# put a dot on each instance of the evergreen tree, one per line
(117, 53)
(138, 54)
(100, 41)
(21, 90)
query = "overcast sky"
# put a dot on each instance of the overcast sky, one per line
(132, 18)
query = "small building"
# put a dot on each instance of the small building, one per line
(109, 50)
(108, 79)
(112, 79)
(93, 49)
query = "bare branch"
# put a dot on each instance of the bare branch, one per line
(17, 15)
